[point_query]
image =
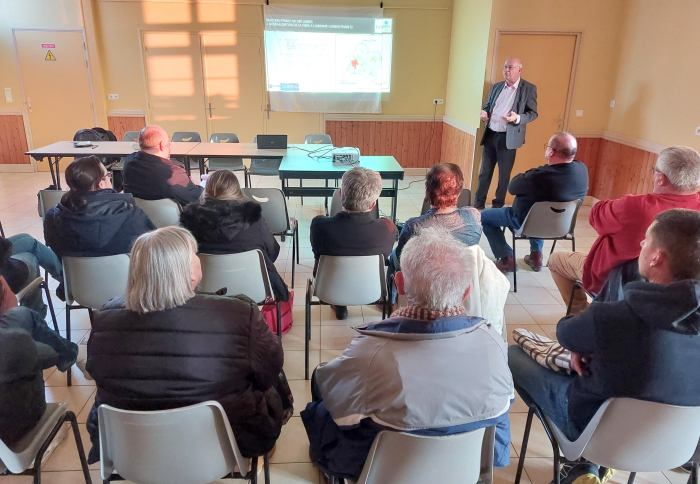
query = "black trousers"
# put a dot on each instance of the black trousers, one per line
(495, 152)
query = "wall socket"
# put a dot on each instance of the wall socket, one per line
(579, 113)
(438, 101)
(112, 96)
(612, 104)
(697, 131)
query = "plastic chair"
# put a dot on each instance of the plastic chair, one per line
(318, 139)
(91, 282)
(346, 281)
(242, 273)
(337, 205)
(25, 456)
(275, 213)
(187, 136)
(163, 212)
(695, 460)
(465, 199)
(402, 458)
(263, 166)
(234, 163)
(2, 232)
(189, 445)
(49, 199)
(548, 221)
(38, 284)
(132, 136)
(625, 434)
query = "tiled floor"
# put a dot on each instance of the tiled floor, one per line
(537, 306)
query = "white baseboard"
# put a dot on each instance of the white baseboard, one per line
(384, 117)
(460, 125)
(622, 139)
(126, 113)
(25, 168)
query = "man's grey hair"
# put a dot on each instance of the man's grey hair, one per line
(436, 268)
(564, 145)
(360, 188)
(151, 136)
(681, 165)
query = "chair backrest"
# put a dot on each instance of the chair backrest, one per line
(550, 220)
(464, 200)
(399, 458)
(49, 199)
(186, 136)
(274, 207)
(223, 138)
(163, 213)
(190, 445)
(350, 281)
(337, 205)
(243, 273)
(637, 436)
(94, 281)
(132, 136)
(318, 139)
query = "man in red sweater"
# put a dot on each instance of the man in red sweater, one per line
(621, 224)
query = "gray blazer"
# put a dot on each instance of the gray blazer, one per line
(525, 105)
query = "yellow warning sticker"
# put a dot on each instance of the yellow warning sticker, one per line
(50, 56)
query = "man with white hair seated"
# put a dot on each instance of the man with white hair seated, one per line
(429, 369)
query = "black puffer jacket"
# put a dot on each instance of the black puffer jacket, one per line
(229, 227)
(107, 225)
(210, 348)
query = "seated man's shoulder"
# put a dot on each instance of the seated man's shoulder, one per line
(385, 224)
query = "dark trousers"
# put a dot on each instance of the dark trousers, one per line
(495, 152)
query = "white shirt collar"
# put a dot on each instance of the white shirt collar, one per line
(515, 84)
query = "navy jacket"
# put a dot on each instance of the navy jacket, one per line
(646, 346)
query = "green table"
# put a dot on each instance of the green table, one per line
(304, 167)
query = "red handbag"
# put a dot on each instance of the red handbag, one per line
(269, 312)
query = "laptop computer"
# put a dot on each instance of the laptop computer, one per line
(272, 141)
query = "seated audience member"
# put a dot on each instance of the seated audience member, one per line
(162, 347)
(27, 346)
(149, 174)
(353, 231)
(225, 222)
(407, 373)
(443, 186)
(646, 346)
(621, 224)
(93, 220)
(21, 258)
(562, 179)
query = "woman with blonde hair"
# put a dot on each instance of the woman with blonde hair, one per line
(225, 222)
(162, 346)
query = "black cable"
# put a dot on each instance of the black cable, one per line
(432, 132)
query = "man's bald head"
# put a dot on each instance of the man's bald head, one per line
(512, 69)
(154, 140)
(562, 148)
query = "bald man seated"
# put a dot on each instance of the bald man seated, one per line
(562, 179)
(149, 174)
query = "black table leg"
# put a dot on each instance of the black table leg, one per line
(395, 201)
(186, 160)
(55, 177)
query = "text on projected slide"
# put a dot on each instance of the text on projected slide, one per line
(328, 54)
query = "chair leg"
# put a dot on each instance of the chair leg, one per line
(296, 238)
(515, 267)
(68, 371)
(254, 470)
(573, 243)
(294, 254)
(633, 475)
(70, 416)
(554, 242)
(571, 300)
(90, 315)
(301, 184)
(693, 479)
(266, 462)
(49, 302)
(523, 447)
(307, 332)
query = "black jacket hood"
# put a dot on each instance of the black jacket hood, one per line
(219, 221)
(674, 307)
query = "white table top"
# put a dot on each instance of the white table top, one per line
(104, 148)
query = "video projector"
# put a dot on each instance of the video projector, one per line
(346, 156)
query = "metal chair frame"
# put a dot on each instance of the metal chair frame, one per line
(577, 284)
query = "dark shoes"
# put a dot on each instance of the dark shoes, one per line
(506, 264)
(534, 260)
(479, 206)
(341, 312)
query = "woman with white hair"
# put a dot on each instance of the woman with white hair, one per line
(161, 346)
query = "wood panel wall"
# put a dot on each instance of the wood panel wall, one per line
(458, 148)
(614, 169)
(13, 140)
(413, 144)
(121, 124)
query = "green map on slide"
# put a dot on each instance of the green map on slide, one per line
(365, 63)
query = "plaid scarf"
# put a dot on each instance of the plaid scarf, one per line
(425, 314)
(544, 351)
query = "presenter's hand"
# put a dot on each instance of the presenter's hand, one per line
(484, 115)
(511, 117)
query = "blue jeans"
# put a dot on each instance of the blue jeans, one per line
(45, 257)
(548, 389)
(492, 220)
(30, 321)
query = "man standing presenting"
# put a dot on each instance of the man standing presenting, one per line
(510, 106)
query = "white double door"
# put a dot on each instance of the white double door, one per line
(214, 83)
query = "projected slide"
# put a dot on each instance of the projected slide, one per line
(328, 54)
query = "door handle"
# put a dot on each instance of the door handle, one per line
(268, 110)
(29, 105)
(210, 108)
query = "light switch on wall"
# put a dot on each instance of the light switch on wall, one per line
(8, 94)
(697, 131)
(113, 96)
(579, 113)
